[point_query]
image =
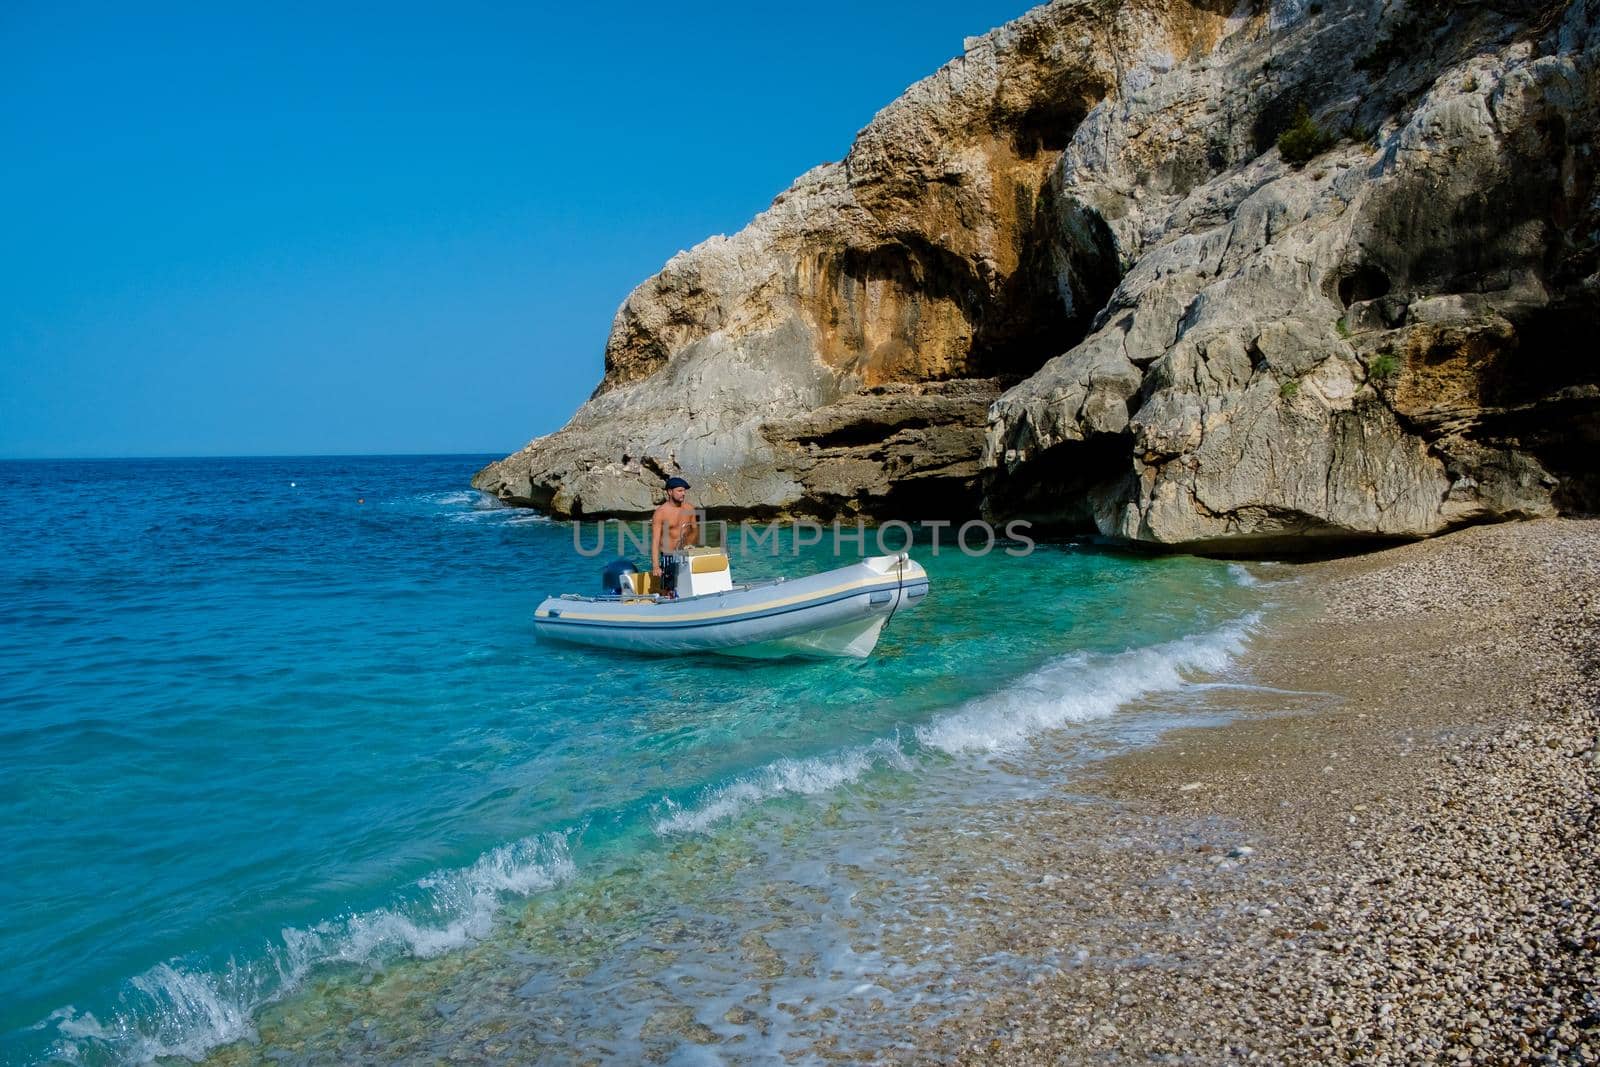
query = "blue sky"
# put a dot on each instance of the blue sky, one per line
(283, 229)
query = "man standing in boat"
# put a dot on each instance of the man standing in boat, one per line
(672, 529)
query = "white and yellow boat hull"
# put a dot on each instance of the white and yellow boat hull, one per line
(840, 612)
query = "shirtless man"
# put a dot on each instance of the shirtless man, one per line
(671, 530)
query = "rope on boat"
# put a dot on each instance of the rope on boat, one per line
(899, 589)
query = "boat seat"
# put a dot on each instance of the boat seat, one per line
(707, 562)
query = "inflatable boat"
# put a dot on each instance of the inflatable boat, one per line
(840, 612)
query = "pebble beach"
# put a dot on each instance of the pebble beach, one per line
(1387, 857)
(1272, 812)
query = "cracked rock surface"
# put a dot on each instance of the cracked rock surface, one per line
(1076, 262)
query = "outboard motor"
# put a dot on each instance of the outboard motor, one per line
(614, 579)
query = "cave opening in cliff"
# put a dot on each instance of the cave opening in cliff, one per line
(1047, 126)
(930, 499)
(1546, 399)
(1058, 489)
(1067, 269)
(1552, 353)
(1364, 282)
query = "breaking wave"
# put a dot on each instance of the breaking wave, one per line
(784, 777)
(1079, 688)
(184, 1009)
(176, 1010)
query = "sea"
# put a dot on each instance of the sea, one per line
(286, 777)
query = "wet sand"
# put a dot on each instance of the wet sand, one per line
(1391, 860)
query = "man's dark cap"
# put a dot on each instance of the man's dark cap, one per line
(677, 483)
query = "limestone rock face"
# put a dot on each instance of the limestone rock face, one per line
(934, 252)
(1071, 277)
(1384, 343)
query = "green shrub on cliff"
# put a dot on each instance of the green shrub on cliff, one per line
(1304, 140)
(1289, 389)
(1384, 365)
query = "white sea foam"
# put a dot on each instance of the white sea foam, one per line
(459, 907)
(1079, 688)
(171, 1010)
(178, 1013)
(783, 777)
(472, 505)
(1262, 575)
(1242, 576)
(460, 498)
(1076, 688)
(500, 514)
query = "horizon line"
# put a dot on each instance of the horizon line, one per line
(245, 455)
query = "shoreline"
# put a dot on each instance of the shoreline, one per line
(1224, 869)
(1389, 855)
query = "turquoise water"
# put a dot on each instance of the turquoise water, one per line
(268, 720)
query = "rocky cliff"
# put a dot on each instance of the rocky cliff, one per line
(1209, 275)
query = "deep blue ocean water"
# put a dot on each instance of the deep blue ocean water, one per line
(264, 719)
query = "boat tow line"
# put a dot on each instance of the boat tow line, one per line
(900, 586)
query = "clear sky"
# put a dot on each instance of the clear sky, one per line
(234, 229)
